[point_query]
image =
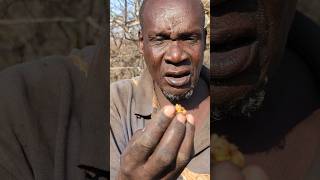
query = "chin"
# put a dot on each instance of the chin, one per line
(176, 96)
(223, 95)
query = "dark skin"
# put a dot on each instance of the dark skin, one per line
(275, 136)
(161, 150)
(248, 40)
(172, 42)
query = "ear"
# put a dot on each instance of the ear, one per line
(140, 42)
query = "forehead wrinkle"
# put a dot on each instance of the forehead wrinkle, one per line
(186, 7)
(172, 17)
(169, 23)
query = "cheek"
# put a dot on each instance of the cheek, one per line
(197, 54)
(279, 15)
(152, 55)
(153, 59)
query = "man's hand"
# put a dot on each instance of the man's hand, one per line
(228, 171)
(161, 150)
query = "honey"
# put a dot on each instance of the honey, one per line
(180, 109)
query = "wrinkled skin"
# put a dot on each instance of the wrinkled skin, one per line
(172, 41)
(237, 68)
(161, 150)
(248, 39)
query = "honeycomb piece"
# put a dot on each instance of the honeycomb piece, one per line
(225, 151)
(180, 109)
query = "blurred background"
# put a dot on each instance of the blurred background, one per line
(31, 29)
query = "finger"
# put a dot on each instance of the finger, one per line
(186, 150)
(227, 171)
(134, 137)
(254, 173)
(144, 144)
(166, 152)
(127, 161)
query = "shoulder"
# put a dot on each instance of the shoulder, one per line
(49, 72)
(122, 87)
(121, 93)
(37, 89)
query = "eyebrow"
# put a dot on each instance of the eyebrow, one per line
(189, 32)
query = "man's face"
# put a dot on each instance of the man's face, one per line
(172, 41)
(247, 39)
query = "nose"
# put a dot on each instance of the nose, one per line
(175, 54)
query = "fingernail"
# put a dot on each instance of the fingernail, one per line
(181, 118)
(190, 119)
(169, 111)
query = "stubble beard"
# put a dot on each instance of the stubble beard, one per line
(173, 98)
(243, 108)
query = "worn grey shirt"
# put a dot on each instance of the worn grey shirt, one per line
(132, 104)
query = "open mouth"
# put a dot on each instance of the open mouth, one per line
(178, 79)
(233, 49)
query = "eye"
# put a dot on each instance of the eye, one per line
(159, 39)
(191, 39)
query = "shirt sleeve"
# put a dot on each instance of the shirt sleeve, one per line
(119, 134)
(115, 148)
(13, 162)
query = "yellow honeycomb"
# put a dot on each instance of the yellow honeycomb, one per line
(225, 151)
(180, 109)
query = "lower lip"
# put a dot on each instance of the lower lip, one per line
(230, 63)
(178, 82)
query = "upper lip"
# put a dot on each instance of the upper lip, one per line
(232, 29)
(230, 35)
(233, 46)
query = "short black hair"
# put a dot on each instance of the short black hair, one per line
(144, 4)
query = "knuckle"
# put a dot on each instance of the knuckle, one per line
(183, 158)
(146, 143)
(124, 158)
(137, 132)
(126, 170)
(125, 166)
(165, 158)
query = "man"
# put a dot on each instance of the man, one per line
(148, 138)
(265, 97)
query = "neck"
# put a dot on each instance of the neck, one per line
(198, 104)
